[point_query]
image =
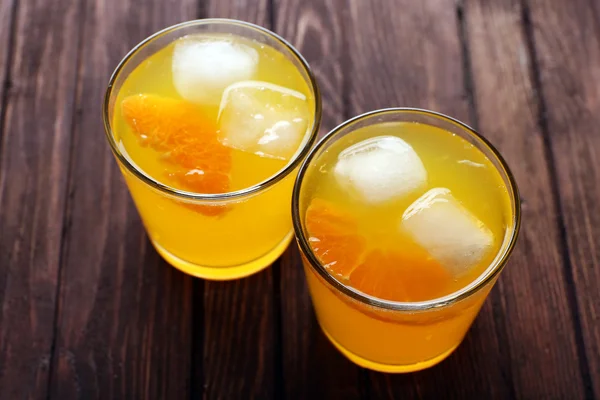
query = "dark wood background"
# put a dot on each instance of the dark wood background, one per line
(88, 310)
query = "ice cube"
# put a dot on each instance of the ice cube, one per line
(204, 67)
(263, 118)
(380, 169)
(447, 230)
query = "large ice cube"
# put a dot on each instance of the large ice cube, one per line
(447, 230)
(380, 169)
(204, 67)
(263, 118)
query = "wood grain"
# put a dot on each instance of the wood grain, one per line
(566, 42)
(409, 54)
(405, 53)
(241, 343)
(534, 292)
(7, 38)
(124, 315)
(33, 177)
(254, 11)
(312, 367)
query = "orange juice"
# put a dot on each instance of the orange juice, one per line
(404, 222)
(209, 127)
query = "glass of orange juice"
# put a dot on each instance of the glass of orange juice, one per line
(404, 218)
(209, 121)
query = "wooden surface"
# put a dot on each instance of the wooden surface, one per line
(89, 310)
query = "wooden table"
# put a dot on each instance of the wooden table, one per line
(89, 310)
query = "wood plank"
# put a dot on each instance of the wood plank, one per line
(409, 54)
(566, 38)
(405, 54)
(33, 176)
(239, 341)
(256, 12)
(124, 316)
(7, 37)
(535, 294)
(312, 367)
(240, 348)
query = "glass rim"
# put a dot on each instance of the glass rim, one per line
(490, 273)
(208, 197)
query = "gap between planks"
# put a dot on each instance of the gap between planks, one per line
(584, 367)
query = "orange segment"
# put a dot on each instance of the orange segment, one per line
(187, 139)
(202, 183)
(334, 237)
(401, 276)
(407, 275)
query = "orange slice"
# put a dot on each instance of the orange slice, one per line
(407, 275)
(333, 236)
(401, 276)
(201, 183)
(187, 139)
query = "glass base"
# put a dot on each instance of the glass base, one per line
(375, 366)
(226, 273)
